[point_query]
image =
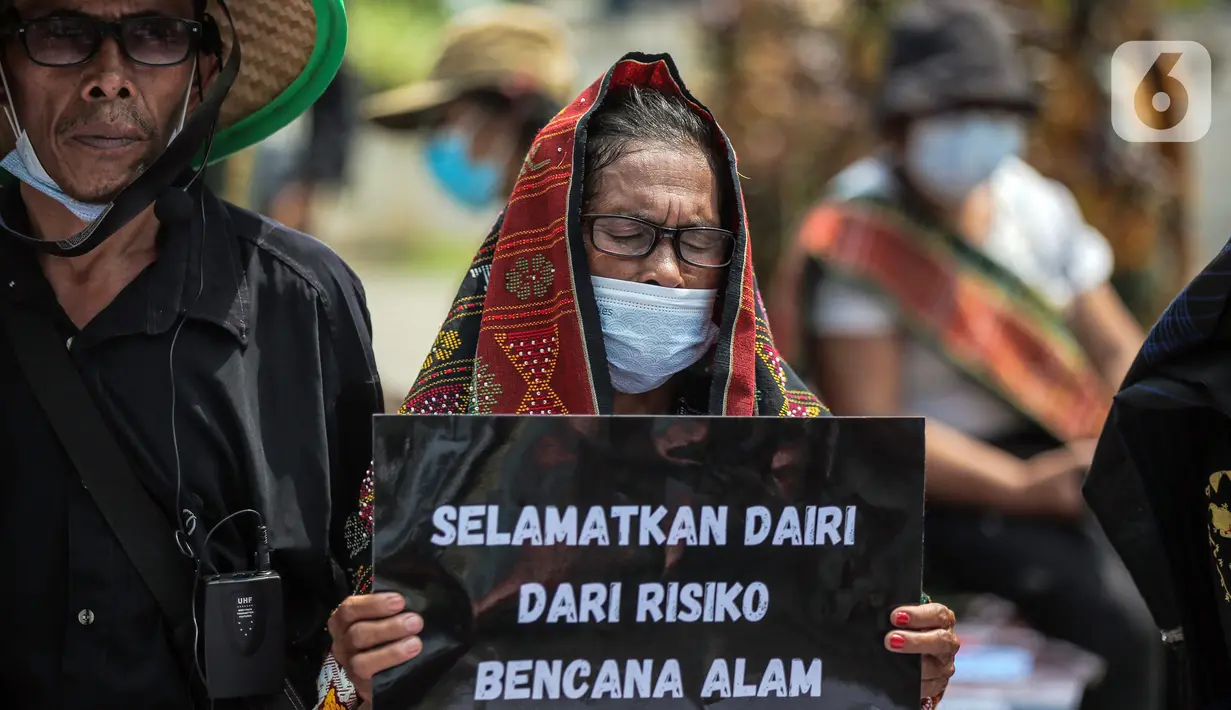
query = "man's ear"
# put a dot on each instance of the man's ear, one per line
(207, 72)
(209, 57)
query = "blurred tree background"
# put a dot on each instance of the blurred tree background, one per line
(791, 81)
(393, 41)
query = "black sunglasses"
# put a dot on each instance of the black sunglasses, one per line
(67, 41)
(633, 238)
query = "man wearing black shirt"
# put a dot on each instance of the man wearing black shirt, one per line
(229, 356)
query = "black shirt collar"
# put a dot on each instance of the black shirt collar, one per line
(198, 272)
(208, 281)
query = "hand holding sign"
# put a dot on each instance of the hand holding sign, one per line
(928, 631)
(372, 633)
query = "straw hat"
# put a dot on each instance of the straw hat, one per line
(291, 51)
(515, 49)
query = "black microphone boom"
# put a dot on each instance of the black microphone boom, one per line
(174, 207)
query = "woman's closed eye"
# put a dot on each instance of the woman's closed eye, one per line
(704, 246)
(626, 233)
(702, 240)
(623, 229)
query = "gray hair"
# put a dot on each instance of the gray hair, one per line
(640, 115)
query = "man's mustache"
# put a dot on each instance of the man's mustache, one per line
(111, 113)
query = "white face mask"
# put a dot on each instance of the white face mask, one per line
(947, 157)
(652, 332)
(24, 164)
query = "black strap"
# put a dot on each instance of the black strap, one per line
(143, 531)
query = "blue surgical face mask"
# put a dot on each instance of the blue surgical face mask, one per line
(947, 157)
(472, 183)
(652, 332)
(25, 166)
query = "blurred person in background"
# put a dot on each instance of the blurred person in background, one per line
(505, 70)
(811, 115)
(286, 183)
(945, 277)
(285, 176)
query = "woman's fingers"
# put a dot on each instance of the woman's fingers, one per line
(364, 607)
(941, 643)
(364, 666)
(372, 633)
(366, 635)
(922, 617)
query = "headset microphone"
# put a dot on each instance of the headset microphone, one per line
(174, 207)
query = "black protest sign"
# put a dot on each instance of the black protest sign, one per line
(650, 561)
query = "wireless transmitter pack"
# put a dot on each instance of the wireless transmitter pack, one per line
(244, 634)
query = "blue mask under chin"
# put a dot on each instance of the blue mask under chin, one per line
(472, 183)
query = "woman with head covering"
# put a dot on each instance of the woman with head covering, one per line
(618, 281)
(944, 277)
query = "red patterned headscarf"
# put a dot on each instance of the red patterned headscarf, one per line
(523, 335)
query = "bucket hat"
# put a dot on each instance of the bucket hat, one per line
(948, 54)
(513, 49)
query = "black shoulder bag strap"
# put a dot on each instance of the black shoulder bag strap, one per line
(143, 531)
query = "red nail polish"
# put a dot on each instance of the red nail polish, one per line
(901, 619)
(897, 642)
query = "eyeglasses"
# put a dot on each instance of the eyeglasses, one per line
(632, 238)
(69, 41)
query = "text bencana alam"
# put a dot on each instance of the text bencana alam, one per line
(673, 602)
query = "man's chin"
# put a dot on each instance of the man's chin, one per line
(104, 199)
(101, 180)
(98, 194)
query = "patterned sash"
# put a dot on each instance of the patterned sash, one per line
(977, 315)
